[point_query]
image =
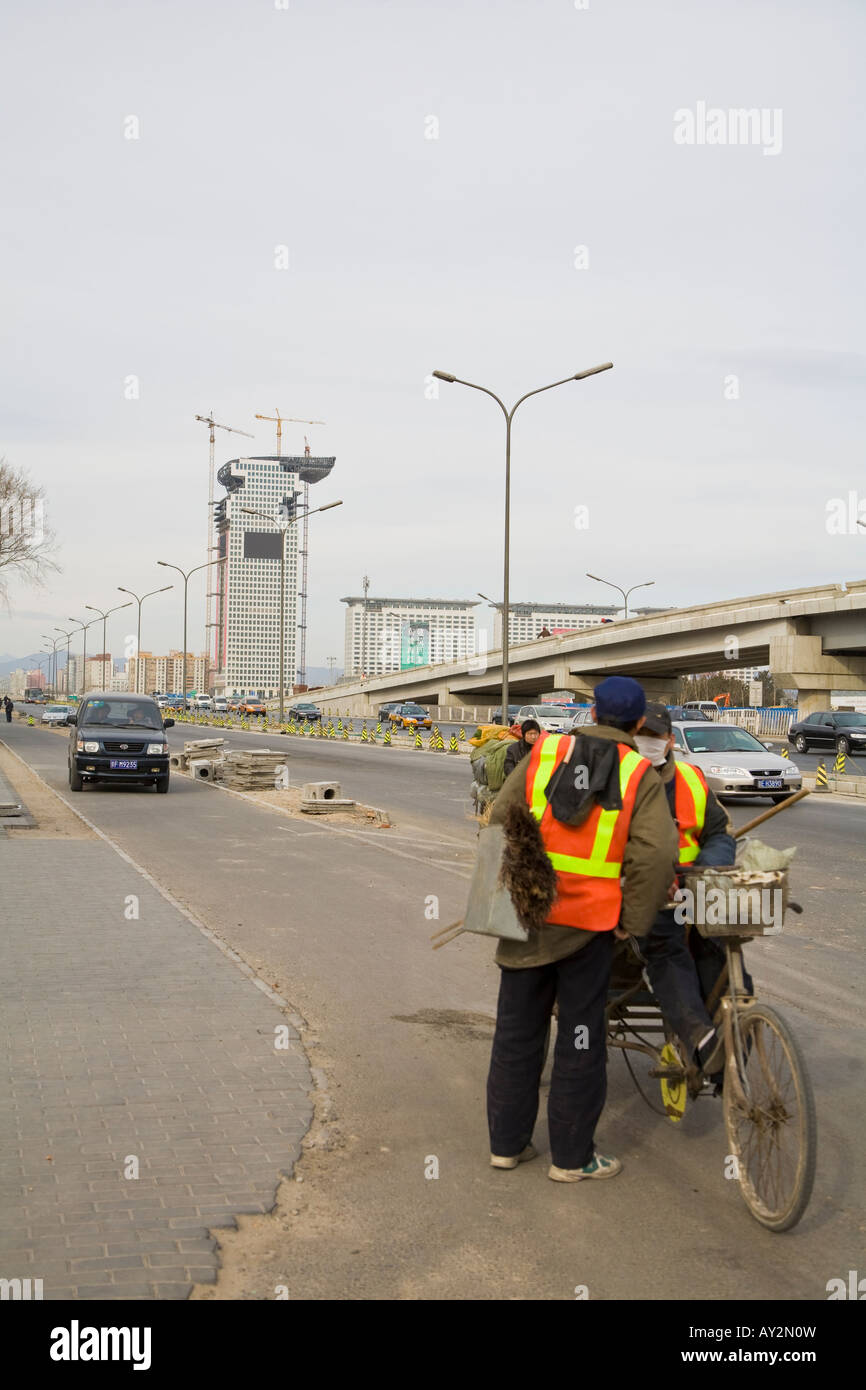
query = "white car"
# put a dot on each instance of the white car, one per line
(202, 702)
(220, 704)
(56, 714)
(553, 719)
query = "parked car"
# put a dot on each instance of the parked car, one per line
(734, 762)
(580, 718)
(411, 716)
(697, 709)
(384, 713)
(829, 729)
(201, 702)
(553, 719)
(118, 738)
(687, 713)
(304, 711)
(249, 704)
(220, 704)
(496, 714)
(57, 715)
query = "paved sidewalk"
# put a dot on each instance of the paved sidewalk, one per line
(124, 1038)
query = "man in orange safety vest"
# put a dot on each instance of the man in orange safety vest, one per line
(600, 812)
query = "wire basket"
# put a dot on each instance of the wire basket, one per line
(730, 901)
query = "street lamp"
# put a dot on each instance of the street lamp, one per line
(186, 578)
(509, 416)
(84, 627)
(625, 592)
(53, 641)
(104, 617)
(283, 530)
(68, 636)
(140, 601)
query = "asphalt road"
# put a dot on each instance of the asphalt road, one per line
(335, 920)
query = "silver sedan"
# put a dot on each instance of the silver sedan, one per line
(734, 762)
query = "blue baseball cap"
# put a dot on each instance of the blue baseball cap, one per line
(620, 697)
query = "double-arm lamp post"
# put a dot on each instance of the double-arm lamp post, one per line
(68, 636)
(283, 530)
(140, 601)
(104, 617)
(625, 592)
(186, 577)
(509, 416)
(84, 627)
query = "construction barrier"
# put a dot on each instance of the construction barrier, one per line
(784, 753)
(452, 746)
(345, 732)
(387, 740)
(839, 764)
(418, 743)
(462, 733)
(821, 780)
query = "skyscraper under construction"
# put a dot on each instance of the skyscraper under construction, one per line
(246, 640)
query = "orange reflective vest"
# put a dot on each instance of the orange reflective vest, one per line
(588, 857)
(690, 809)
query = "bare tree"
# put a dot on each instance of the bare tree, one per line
(27, 544)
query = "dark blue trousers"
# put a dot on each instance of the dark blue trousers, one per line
(579, 1083)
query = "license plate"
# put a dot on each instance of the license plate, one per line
(123, 764)
(770, 783)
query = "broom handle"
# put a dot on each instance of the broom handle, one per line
(773, 811)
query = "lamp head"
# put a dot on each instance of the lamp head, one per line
(445, 376)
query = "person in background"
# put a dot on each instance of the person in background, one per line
(8, 706)
(529, 731)
(681, 971)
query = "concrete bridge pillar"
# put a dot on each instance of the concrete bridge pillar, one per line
(563, 679)
(799, 661)
(661, 691)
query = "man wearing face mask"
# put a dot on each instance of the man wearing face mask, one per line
(705, 838)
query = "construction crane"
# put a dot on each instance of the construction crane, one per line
(214, 425)
(287, 420)
(280, 420)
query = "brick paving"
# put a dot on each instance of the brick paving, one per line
(126, 1038)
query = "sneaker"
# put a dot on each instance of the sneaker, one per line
(497, 1162)
(599, 1166)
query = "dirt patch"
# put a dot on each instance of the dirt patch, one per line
(453, 1022)
(54, 820)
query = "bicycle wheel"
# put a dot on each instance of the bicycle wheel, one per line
(772, 1132)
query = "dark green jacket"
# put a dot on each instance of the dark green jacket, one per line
(648, 865)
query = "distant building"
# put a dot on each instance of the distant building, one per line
(526, 621)
(393, 634)
(148, 672)
(247, 583)
(34, 680)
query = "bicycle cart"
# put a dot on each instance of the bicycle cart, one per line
(766, 1094)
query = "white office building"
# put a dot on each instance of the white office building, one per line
(527, 621)
(246, 640)
(393, 634)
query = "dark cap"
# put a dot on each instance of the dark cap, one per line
(619, 697)
(657, 720)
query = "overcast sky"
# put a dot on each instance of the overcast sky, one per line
(307, 127)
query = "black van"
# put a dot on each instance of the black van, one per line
(118, 737)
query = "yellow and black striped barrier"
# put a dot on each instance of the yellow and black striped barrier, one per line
(418, 743)
(364, 735)
(839, 764)
(345, 732)
(386, 742)
(821, 781)
(784, 753)
(452, 746)
(462, 734)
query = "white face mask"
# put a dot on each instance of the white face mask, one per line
(656, 749)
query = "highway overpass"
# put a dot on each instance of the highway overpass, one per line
(813, 640)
